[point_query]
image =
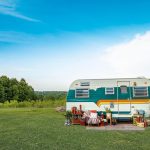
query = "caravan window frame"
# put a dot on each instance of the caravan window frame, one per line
(134, 93)
(85, 93)
(107, 92)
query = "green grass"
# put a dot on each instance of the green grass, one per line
(43, 129)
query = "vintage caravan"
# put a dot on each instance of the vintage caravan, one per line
(121, 95)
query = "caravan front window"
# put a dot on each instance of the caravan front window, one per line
(109, 90)
(82, 93)
(84, 84)
(140, 91)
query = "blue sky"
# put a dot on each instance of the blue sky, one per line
(50, 43)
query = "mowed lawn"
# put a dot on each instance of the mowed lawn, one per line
(43, 129)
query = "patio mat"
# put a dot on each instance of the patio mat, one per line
(118, 127)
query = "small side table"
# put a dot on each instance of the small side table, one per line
(109, 117)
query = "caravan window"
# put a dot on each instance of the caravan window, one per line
(109, 90)
(82, 93)
(140, 91)
(84, 84)
(123, 89)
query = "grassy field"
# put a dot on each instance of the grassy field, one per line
(43, 129)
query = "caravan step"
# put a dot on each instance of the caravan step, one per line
(121, 115)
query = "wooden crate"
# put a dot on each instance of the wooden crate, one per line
(148, 122)
(141, 124)
(82, 122)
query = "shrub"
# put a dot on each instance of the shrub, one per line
(32, 103)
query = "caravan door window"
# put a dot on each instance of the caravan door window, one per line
(140, 91)
(123, 89)
(82, 93)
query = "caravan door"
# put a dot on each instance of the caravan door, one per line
(124, 97)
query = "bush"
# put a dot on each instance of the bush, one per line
(37, 104)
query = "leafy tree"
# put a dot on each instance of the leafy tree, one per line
(5, 83)
(2, 93)
(26, 92)
(12, 89)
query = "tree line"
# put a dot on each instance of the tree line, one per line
(12, 89)
(20, 90)
(51, 95)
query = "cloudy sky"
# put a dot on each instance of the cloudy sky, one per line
(50, 43)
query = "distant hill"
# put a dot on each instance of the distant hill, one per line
(50, 95)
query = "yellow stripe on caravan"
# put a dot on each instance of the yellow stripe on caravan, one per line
(123, 101)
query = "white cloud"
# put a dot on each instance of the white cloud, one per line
(124, 59)
(8, 7)
(130, 58)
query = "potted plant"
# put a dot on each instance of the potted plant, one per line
(68, 116)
